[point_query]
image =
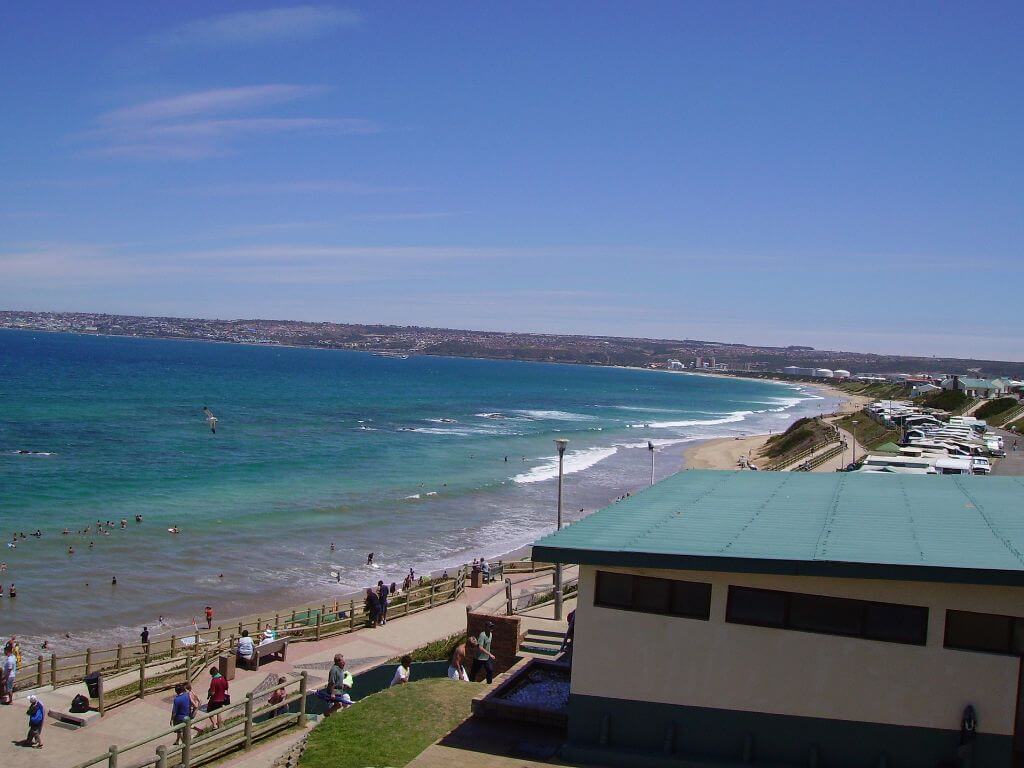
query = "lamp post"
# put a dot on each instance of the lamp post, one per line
(650, 447)
(854, 423)
(560, 444)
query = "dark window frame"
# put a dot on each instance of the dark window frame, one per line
(704, 615)
(787, 622)
(1011, 622)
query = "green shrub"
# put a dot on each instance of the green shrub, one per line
(947, 400)
(992, 407)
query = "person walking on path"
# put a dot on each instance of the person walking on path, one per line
(216, 696)
(7, 674)
(36, 717)
(339, 682)
(402, 672)
(484, 657)
(278, 696)
(180, 708)
(457, 661)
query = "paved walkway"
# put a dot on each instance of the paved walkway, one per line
(1013, 463)
(66, 746)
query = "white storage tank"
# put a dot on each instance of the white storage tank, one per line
(823, 373)
(839, 373)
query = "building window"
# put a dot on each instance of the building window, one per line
(671, 597)
(986, 632)
(888, 622)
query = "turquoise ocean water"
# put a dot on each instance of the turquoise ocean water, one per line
(404, 458)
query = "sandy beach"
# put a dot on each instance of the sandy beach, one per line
(726, 452)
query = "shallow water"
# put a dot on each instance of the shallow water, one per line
(425, 462)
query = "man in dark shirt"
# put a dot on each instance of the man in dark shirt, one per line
(145, 640)
(382, 592)
(181, 707)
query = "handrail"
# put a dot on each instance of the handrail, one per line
(297, 624)
(228, 734)
(817, 461)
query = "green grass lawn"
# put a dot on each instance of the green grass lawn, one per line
(390, 728)
(869, 432)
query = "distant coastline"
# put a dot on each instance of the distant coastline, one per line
(492, 345)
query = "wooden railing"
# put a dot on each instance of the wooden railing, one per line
(337, 617)
(821, 458)
(245, 723)
(790, 460)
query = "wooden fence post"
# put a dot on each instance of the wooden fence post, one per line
(508, 597)
(186, 746)
(88, 660)
(53, 669)
(352, 615)
(239, 629)
(431, 588)
(174, 645)
(102, 699)
(248, 720)
(142, 681)
(39, 673)
(120, 656)
(161, 756)
(303, 688)
(319, 618)
(220, 634)
(277, 622)
(112, 756)
(293, 617)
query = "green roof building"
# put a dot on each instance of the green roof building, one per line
(799, 618)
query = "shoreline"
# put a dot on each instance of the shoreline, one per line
(726, 452)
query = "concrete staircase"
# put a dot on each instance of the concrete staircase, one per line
(541, 643)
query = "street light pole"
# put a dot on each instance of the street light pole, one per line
(560, 444)
(854, 423)
(650, 447)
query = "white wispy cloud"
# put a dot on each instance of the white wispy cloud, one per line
(296, 187)
(209, 102)
(299, 22)
(206, 123)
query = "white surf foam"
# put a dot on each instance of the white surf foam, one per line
(576, 461)
(553, 415)
(732, 418)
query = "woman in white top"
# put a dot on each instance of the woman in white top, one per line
(402, 672)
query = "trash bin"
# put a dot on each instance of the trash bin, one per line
(476, 579)
(94, 683)
(226, 665)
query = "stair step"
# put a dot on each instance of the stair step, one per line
(539, 650)
(545, 632)
(543, 640)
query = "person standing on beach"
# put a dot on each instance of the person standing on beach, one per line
(144, 635)
(209, 617)
(36, 718)
(484, 657)
(216, 696)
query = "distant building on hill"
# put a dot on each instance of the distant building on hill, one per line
(983, 389)
(794, 618)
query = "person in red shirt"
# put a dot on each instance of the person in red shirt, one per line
(209, 617)
(217, 696)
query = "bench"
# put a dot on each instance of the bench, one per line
(275, 648)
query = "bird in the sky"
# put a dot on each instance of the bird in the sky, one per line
(210, 419)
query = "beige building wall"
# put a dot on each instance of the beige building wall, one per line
(647, 657)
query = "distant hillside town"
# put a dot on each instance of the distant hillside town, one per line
(691, 354)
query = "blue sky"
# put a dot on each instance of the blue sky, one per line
(844, 175)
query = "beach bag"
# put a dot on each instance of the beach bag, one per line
(227, 699)
(79, 704)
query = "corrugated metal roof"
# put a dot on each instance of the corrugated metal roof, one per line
(788, 521)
